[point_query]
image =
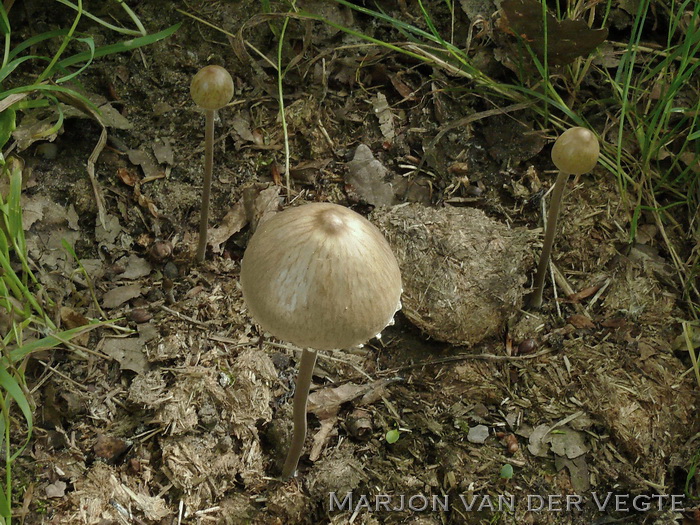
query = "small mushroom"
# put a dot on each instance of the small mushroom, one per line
(211, 89)
(321, 277)
(575, 152)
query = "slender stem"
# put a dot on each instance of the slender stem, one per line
(283, 117)
(550, 231)
(206, 190)
(301, 395)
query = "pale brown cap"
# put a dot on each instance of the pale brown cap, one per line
(576, 151)
(212, 87)
(320, 276)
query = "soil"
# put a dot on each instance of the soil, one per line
(179, 410)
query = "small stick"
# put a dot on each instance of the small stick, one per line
(301, 396)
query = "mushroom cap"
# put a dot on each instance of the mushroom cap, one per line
(576, 151)
(320, 276)
(212, 87)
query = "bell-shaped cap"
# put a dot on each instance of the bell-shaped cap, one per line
(212, 87)
(576, 151)
(320, 276)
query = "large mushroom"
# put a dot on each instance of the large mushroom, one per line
(321, 277)
(575, 152)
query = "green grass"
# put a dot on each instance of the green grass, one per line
(56, 70)
(23, 315)
(23, 303)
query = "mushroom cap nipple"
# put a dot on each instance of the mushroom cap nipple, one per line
(212, 87)
(320, 276)
(576, 151)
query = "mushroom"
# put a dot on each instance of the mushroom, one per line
(574, 152)
(211, 89)
(321, 277)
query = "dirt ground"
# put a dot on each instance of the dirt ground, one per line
(181, 411)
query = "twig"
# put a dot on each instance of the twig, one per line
(185, 317)
(466, 357)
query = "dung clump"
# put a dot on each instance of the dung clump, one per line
(463, 272)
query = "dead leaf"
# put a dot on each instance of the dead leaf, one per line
(109, 232)
(31, 129)
(135, 267)
(147, 163)
(128, 176)
(366, 176)
(231, 224)
(566, 39)
(241, 125)
(578, 472)
(146, 202)
(275, 174)
(56, 489)
(646, 351)
(72, 319)
(538, 446)
(583, 294)
(580, 321)
(163, 151)
(266, 204)
(307, 172)
(384, 115)
(109, 448)
(322, 436)
(112, 118)
(478, 434)
(567, 442)
(121, 294)
(401, 87)
(326, 402)
(128, 352)
(618, 322)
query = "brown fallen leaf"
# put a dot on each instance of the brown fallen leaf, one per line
(128, 176)
(613, 322)
(128, 352)
(566, 39)
(110, 448)
(232, 223)
(72, 319)
(326, 402)
(583, 294)
(580, 321)
(134, 267)
(121, 294)
(56, 489)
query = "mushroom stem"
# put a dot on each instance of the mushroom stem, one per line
(550, 231)
(206, 190)
(301, 395)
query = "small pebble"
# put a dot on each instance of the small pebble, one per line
(160, 250)
(170, 271)
(527, 347)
